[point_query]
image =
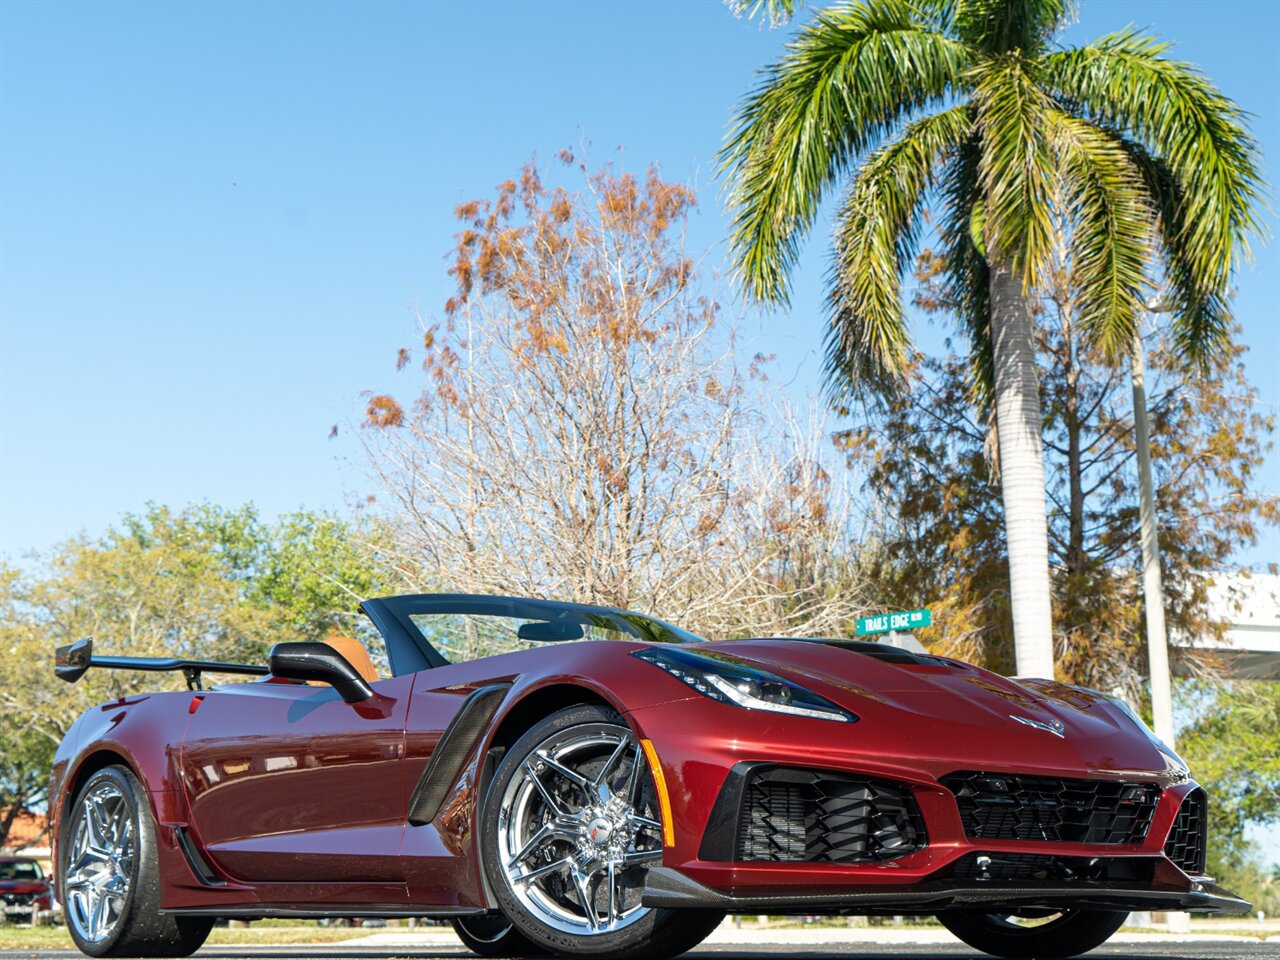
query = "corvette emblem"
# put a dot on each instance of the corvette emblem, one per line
(1056, 727)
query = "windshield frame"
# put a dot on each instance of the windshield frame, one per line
(410, 651)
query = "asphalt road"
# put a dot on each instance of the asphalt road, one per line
(1207, 950)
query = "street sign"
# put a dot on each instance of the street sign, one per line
(903, 620)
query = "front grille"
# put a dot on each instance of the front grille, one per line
(1033, 868)
(1186, 843)
(802, 815)
(18, 899)
(999, 806)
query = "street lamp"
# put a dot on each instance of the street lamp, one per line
(1152, 588)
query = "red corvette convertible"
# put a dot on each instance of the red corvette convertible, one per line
(592, 782)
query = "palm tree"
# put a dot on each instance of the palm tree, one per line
(1111, 152)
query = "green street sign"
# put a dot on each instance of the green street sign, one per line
(903, 620)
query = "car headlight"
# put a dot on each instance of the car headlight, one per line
(731, 681)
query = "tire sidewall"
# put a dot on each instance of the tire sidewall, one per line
(143, 841)
(1076, 932)
(509, 943)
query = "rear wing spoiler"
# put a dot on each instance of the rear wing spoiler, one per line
(73, 660)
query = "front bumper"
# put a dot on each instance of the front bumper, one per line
(709, 864)
(667, 887)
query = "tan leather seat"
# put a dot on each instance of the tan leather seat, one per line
(356, 655)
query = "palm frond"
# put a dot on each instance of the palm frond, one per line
(1201, 321)
(1017, 167)
(876, 237)
(968, 285)
(1113, 224)
(845, 82)
(1126, 82)
(1008, 26)
(776, 12)
(938, 14)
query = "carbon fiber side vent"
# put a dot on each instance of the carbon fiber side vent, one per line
(452, 751)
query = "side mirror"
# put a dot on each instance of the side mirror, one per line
(320, 662)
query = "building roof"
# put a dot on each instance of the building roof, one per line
(1250, 606)
(29, 829)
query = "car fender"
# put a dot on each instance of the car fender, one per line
(145, 732)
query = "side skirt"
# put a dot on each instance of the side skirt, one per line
(319, 911)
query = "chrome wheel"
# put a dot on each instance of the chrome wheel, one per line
(576, 827)
(1025, 919)
(100, 865)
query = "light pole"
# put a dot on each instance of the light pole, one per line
(1152, 588)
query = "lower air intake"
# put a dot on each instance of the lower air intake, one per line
(1002, 806)
(1033, 868)
(1186, 843)
(792, 815)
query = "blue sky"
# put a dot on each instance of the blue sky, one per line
(217, 220)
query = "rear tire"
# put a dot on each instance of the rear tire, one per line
(493, 935)
(109, 875)
(569, 828)
(1069, 935)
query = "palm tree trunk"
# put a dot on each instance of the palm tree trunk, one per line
(1018, 428)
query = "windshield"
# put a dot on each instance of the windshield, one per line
(21, 870)
(458, 628)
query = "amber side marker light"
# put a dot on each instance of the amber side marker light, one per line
(664, 802)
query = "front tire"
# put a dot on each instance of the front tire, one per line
(1069, 934)
(569, 829)
(493, 935)
(109, 876)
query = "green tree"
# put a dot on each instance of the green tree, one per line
(315, 568)
(204, 582)
(940, 543)
(1030, 149)
(1234, 749)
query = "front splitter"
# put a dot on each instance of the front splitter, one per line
(667, 887)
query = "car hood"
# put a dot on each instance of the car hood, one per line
(959, 714)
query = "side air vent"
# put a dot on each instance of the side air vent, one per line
(1002, 806)
(1186, 843)
(790, 815)
(452, 750)
(198, 864)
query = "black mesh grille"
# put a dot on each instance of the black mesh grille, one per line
(1014, 807)
(1186, 843)
(801, 815)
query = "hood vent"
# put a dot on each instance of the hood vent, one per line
(886, 653)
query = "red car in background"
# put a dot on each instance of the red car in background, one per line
(24, 890)
(610, 787)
